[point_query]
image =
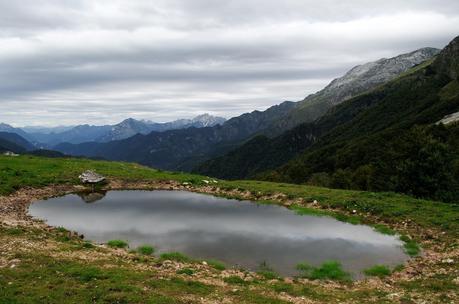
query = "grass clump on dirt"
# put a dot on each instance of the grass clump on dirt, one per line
(384, 229)
(117, 244)
(146, 250)
(235, 280)
(187, 271)
(267, 271)
(175, 256)
(216, 264)
(330, 270)
(379, 271)
(411, 247)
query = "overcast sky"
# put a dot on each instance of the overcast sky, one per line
(70, 62)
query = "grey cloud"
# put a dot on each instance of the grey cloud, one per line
(102, 61)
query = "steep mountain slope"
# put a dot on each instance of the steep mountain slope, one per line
(358, 80)
(17, 140)
(10, 129)
(360, 134)
(181, 149)
(6, 145)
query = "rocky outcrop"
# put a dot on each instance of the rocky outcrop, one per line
(448, 61)
(356, 81)
(451, 118)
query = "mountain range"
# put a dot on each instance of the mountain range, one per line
(44, 137)
(386, 139)
(185, 149)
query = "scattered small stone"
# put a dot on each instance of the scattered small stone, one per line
(448, 261)
(204, 263)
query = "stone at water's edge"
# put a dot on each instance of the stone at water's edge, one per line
(91, 177)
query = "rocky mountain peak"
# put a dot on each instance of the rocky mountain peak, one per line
(364, 77)
(207, 120)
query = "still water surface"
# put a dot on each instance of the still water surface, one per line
(239, 233)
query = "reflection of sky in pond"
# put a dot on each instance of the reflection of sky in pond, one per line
(236, 232)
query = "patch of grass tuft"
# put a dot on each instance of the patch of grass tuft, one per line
(379, 271)
(175, 256)
(187, 271)
(283, 287)
(235, 280)
(216, 264)
(14, 231)
(61, 229)
(87, 245)
(117, 244)
(384, 229)
(330, 270)
(267, 272)
(411, 247)
(145, 250)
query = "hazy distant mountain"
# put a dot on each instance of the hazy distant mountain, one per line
(46, 137)
(78, 134)
(46, 130)
(131, 127)
(10, 129)
(182, 149)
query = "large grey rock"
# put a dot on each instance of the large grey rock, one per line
(91, 177)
